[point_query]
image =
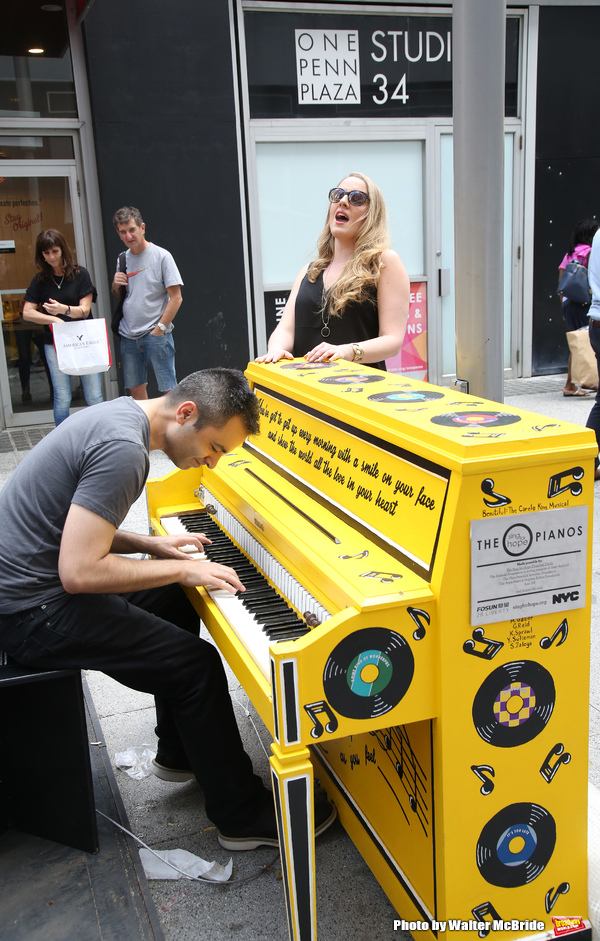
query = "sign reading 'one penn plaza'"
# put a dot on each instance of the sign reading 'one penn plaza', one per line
(327, 66)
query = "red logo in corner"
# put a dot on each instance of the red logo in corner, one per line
(567, 925)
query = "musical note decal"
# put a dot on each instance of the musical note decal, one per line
(404, 767)
(556, 485)
(479, 913)
(418, 616)
(385, 577)
(491, 646)
(562, 629)
(551, 900)
(487, 487)
(357, 555)
(543, 427)
(239, 463)
(421, 409)
(482, 772)
(548, 770)
(315, 708)
(483, 434)
(354, 389)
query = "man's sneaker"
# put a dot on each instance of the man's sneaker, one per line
(175, 775)
(263, 831)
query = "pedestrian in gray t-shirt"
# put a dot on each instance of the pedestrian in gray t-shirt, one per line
(153, 285)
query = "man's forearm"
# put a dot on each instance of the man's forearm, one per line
(168, 314)
(126, 543)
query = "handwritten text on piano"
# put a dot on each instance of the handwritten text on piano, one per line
(363, 473)
(298, 445)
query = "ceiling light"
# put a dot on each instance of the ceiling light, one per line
(35, 51)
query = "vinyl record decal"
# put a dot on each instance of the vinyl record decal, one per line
(410, 395)
(331, 365)
(356, 379)
(515, 846)
(514, 703)
(368, 673)
(474, 419)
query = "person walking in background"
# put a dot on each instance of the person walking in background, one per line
(576, 315)
(593, 421)
(61, 291)
(153, 296)
(352, 302)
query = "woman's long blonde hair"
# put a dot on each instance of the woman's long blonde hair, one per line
(364, 266)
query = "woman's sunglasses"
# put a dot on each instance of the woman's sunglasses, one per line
(355, 197)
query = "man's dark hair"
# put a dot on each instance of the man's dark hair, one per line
(219, 394)
(123, 215)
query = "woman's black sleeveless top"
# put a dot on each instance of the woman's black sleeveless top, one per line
(359, 322)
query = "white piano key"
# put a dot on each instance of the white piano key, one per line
(248, 630)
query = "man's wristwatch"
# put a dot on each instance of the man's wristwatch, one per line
(161, 326)
(358, 353)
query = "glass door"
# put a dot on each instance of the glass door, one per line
(445, 259)
(31, 199)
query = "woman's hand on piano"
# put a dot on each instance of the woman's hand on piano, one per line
(184, 545)
(273, 356)
(327, 352)
(211, 575)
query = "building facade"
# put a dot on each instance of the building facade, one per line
(226, 122)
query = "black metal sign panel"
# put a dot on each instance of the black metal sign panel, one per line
(307, 65)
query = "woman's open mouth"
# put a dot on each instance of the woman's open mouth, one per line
(341, 216)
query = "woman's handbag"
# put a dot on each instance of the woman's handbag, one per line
(82, 346)
(584, 367)
(574, 283)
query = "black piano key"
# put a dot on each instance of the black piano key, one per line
(277, 621)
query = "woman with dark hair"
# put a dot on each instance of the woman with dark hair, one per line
(351, 302)
(61, 291)
(576, 315)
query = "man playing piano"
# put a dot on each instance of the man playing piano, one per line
(69, 599)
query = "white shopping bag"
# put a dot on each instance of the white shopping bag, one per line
(82, 346)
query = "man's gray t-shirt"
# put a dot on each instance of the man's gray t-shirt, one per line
(99, 459)
(149, 274)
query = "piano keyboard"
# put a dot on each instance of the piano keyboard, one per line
(261, 615)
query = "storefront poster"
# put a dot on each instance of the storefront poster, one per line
(412, 358)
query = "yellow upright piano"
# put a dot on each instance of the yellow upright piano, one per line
(432, 550)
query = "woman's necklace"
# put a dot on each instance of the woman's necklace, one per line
(325, 315)
(56, 282)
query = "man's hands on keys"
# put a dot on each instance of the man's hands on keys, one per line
(172, 547)
(202, 572)
(211, 575)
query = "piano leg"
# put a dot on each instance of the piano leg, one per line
(292, 776)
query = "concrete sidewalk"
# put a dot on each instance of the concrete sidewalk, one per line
(351, 905)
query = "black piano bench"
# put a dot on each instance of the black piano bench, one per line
(45, 772)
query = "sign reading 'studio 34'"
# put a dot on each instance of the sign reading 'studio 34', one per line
(371, 65)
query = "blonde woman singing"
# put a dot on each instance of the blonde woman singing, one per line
(351, 302)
